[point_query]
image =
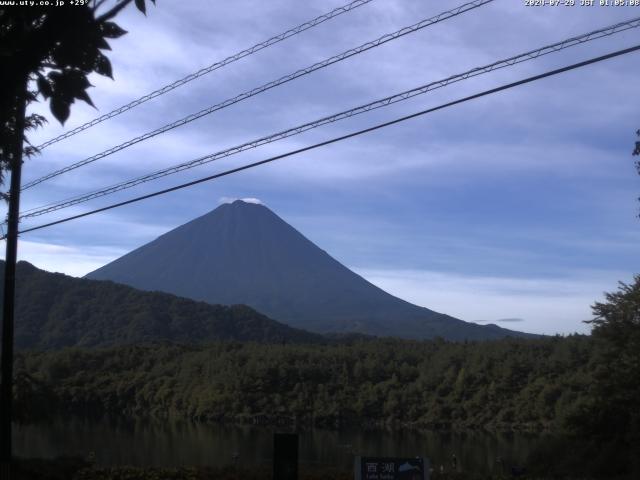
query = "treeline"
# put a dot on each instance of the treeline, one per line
(509, 384)
(55, 311)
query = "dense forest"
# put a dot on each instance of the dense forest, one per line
(55, 311)
(508, 384)
(535, 385)
(532, 384)
(584, 386)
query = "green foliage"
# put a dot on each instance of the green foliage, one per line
(613, 412)
(58, 48)
(507, 384)
(55, 311)
(49, 51)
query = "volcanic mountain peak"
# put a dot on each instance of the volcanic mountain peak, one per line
(243, 253)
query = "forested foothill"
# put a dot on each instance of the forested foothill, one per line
(54, 311)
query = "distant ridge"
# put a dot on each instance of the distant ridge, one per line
(55, 311)
(243, 253)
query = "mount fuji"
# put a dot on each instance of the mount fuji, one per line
(243, 253)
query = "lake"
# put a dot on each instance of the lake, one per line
(176, 443)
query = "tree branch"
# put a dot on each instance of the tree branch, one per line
(113, 12)
(97, 4)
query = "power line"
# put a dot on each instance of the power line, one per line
(267, 86)
(343, 137)
(215, 66)
(606, 31)
(530, 55)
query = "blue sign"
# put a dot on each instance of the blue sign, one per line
(391, 468)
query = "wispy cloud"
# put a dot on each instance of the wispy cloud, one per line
(255, 201)
(501, 320)
(539, 305)
(70, 260)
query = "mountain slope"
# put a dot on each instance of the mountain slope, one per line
(55, 311)
(244, 253)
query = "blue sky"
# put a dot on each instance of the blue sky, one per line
(521, 206)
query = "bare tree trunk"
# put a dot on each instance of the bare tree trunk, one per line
(6, 387)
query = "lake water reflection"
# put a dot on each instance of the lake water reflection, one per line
(175, 443)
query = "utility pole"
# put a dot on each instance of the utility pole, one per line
(8, 307)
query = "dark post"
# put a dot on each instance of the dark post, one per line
(6, 387)
(285, 456)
